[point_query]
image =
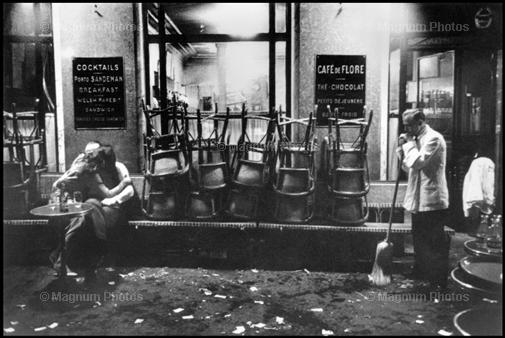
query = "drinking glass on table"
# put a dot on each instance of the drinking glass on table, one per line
(77, 199)
(54, 199)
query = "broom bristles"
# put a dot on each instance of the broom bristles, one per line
(381, 271)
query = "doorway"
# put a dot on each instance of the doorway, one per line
(456, 89)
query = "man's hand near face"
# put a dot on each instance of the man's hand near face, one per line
(404, 138)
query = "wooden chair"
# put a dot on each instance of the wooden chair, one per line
(18, 187)
(251, 177)
(209, 174)
(166, 178)
(295, 173)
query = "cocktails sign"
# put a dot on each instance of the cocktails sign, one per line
(340, 83)
(99, 100)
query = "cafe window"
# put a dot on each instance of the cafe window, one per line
(28, 76)
(224, 54)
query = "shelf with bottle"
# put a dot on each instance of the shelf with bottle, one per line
(494, 234)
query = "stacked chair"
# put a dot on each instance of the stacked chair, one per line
(295, 173)
(347, 165)
(251, 176)
(166, 172)
(209, 173)
(20, 168)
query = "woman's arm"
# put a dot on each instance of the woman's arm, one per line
(120, 198)
(109, 193)
(125, 187)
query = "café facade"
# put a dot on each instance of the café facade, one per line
(91, 70)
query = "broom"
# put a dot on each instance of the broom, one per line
(382, 267)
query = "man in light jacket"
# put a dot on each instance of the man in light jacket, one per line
(423, 151)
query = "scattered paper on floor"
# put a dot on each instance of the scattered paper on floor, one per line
(239, 330)
(443, 332)
(259, 325)
(327, 332)
(138, 321)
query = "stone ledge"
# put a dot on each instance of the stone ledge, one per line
(368, 227)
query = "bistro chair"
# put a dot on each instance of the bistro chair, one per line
(18, 188)
(295, 173)
(347, 168)
(208, 174)
(166, 178)
(251, 177)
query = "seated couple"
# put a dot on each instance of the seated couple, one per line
(105, 184)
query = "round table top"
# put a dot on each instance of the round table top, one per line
(484, 268)
(472, 283)
(53, 210)
(479, 321)
(478, 248)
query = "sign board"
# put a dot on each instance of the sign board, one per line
(99, 96)
(340, 83)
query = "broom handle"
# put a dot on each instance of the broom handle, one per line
(394, 199)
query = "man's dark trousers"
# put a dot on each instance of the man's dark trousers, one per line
(431, 246)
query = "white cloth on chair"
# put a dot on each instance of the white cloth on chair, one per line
(478, 186)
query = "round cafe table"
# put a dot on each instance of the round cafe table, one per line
(53, 211)
(477, 248)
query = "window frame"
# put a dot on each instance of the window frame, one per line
(161, 39)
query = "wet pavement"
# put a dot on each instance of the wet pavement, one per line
(161, 300)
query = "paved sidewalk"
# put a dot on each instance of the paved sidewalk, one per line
(198, 301)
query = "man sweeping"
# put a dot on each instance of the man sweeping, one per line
(422, 152)
(424, 159)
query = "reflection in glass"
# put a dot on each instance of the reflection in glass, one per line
(436, 90)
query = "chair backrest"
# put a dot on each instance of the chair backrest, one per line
(360, 126)
(264, 145)
(212, 143)
(302, 153)
(283, 122)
